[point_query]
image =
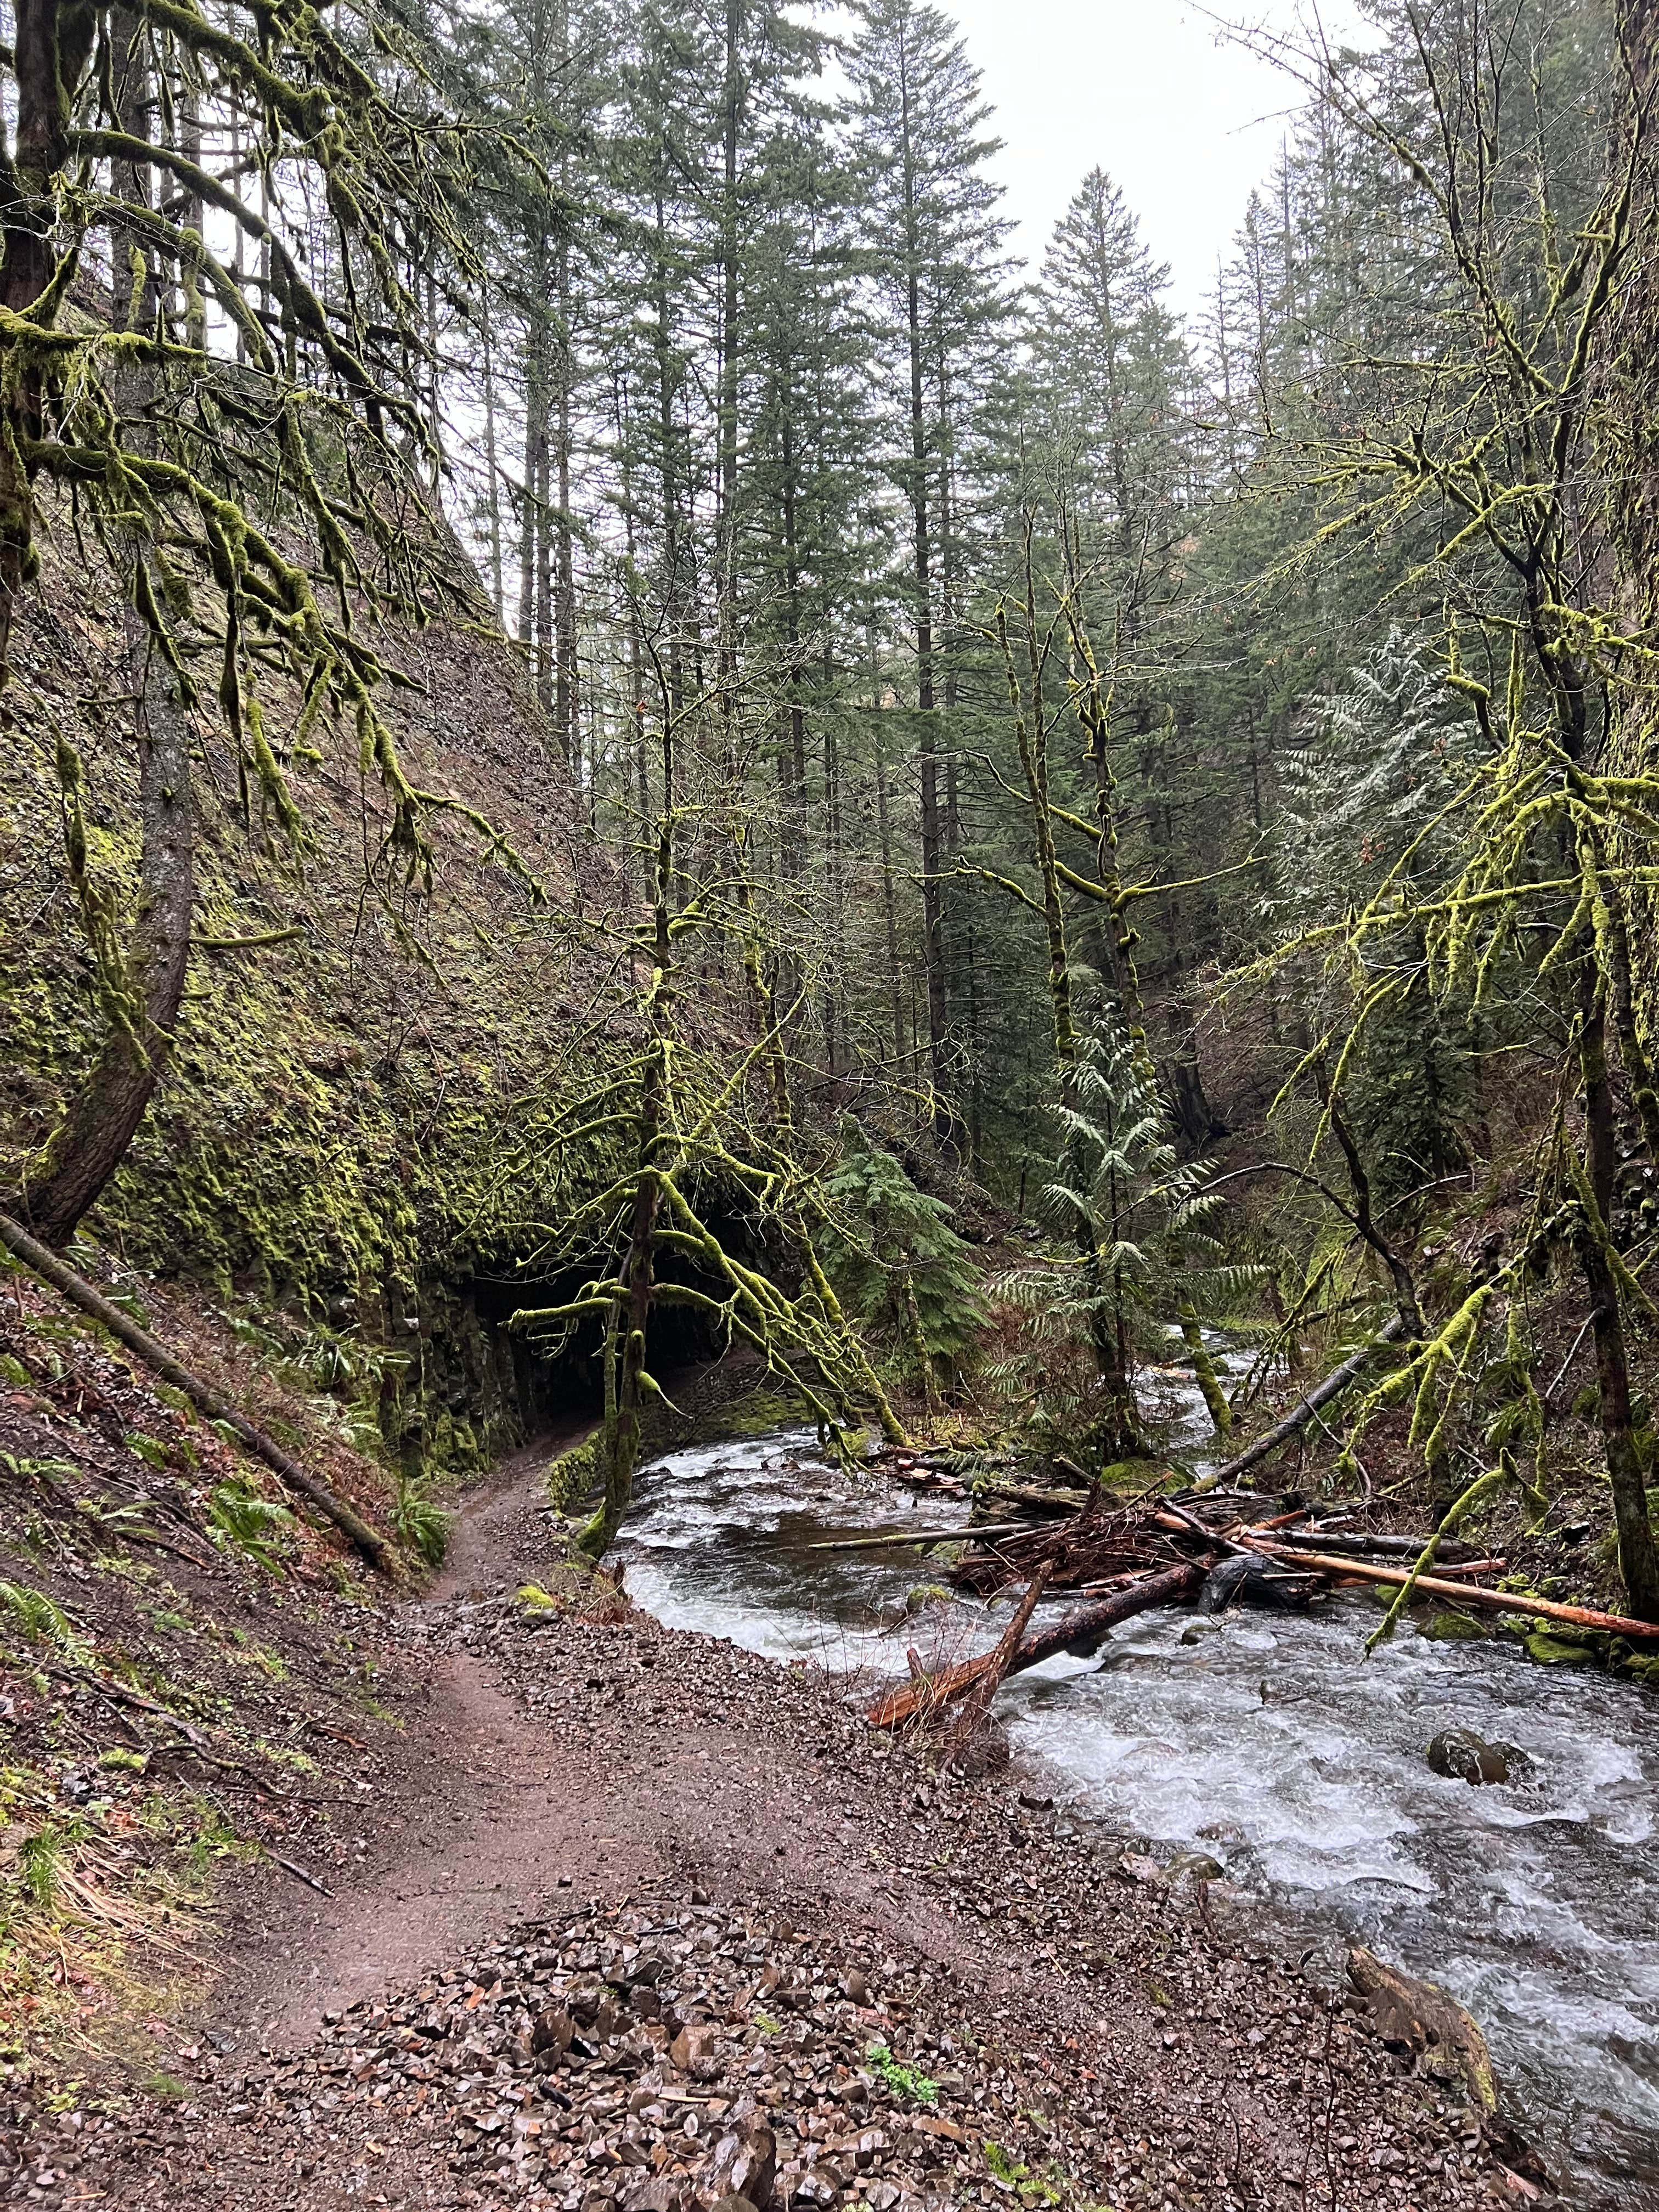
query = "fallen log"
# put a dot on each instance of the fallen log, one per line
(1355, 1544)
(1078, 1631)
(40, 1260)
(1045, 1500)
(888, 1539)
(977, 1704)
(1300, 1414)
(1545, 1609)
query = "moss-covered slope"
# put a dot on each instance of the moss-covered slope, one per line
(354, 1126)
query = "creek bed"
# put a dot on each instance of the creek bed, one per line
(1272, 1743)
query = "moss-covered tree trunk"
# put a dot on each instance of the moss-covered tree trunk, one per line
(53, 40)
(142, 1001)
(620, 1444)
(1627, 418)
(626, 1377)
(1639, 1563)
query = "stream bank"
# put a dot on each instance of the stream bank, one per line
(1092, 2041)
(1268, 1744)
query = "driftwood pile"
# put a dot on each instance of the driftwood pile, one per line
(1124, 1559)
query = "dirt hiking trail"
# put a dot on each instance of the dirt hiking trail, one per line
(615, 1898)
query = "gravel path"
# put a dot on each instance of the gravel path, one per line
(635, 1918)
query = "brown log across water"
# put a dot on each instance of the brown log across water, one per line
(1580, 1616)
(1079, 1631)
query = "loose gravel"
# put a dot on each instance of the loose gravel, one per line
(797, 1968)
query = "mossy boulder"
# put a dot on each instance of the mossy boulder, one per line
(1550, 1650)
(927, 1594)
(1451, 1627)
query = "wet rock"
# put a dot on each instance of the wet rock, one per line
(1248, 1581)
(1225, 1584)
(1462, 1756)
(927, 1594)
(1418, 2016)
(1193, 1866)
(1517, 2155)
(1451, 1627)
(1549, 1651)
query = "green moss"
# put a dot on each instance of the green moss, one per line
(1551, 1650)
(573, 1476)
(756, 1411)
(927, 1594)
(1447, 1627)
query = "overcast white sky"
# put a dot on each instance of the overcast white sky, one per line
(1185, 124)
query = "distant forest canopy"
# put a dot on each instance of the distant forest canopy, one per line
(766, 423)
(1027, 742)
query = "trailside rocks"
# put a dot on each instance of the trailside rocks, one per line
(660, 2056)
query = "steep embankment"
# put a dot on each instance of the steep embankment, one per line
(354, 1124)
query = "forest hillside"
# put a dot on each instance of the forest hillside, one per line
(692, 870)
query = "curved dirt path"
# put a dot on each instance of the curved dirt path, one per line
(476, 1821)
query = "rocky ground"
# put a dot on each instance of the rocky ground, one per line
(622, 1917)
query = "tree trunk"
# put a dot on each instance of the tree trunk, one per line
(1078, 1632)
(672, 582)
(889, 903)
(51, 44)
(835, 870)
(1639, 1563)
(201, 1395)
(1628, 453)
(933, 919)
(492, 468)
(726, 574)
(87, 1149)
(566, 689)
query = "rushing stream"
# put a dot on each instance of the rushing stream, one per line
(1269, 1741)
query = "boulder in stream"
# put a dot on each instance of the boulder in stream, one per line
(1253, 1582)
(1225, 1583)
(1463, 1756)
(926, 1594)
(1446, 1625)
(1187, 1868)
(1546, 1650)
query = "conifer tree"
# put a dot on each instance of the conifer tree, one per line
(934, 257)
